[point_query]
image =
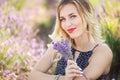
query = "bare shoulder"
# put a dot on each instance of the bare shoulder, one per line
(103, 49)
(102, 53)
(100, 61)
(50, 49)
(46, 60)
(50, 53)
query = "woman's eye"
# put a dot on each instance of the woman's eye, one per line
(62, 20)
(73, 16)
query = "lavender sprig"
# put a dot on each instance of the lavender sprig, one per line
(64, 48)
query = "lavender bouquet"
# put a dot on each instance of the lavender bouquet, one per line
(64, 48)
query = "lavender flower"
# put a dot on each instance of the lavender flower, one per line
(6, 72)
(13, 75)
(64, 48)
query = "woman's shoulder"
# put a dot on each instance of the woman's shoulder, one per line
(102, 54)
(51, 51)
(103, 49)
(50, 48)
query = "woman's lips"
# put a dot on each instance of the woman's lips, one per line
(70, 30)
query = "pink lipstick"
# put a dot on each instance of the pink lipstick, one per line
(70, 30)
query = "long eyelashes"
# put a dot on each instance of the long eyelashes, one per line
(62, 19)
(71, 17)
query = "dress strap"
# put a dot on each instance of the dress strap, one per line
(95, 46)
(74, 50)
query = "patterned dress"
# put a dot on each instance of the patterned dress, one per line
(82, 62)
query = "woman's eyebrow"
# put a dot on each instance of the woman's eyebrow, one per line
(68, 15)
(71, 14)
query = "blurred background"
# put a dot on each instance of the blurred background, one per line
(26, 24)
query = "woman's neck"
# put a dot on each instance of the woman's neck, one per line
(83, 42)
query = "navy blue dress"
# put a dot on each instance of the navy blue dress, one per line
(82, 62)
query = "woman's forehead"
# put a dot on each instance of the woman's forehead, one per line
(68, 9)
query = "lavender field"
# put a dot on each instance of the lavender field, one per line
(26, 24)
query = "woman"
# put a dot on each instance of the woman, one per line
(75, 20)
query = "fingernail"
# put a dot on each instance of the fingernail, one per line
(80, 69)
(81, 72)
(75, 63)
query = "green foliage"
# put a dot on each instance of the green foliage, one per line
(18, 4)
(108, 12)
(112, 36)
(111, 32)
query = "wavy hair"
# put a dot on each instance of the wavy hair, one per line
(86, 11)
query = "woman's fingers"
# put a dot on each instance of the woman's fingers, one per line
(73, 75)
(73, 67)
(70, 62)
(72, 70)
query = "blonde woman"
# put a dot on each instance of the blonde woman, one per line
(76, 21)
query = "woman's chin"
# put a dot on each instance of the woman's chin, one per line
(73, 36)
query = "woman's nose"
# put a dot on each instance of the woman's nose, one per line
(68, 23)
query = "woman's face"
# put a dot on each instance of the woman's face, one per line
(71, 21)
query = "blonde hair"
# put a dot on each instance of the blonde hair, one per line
(85, 10)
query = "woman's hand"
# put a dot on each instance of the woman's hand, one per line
(72, 70)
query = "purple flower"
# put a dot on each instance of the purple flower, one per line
(6, 72)
(13, 75)
(64, 48)
(9, 53)
(16, 63)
